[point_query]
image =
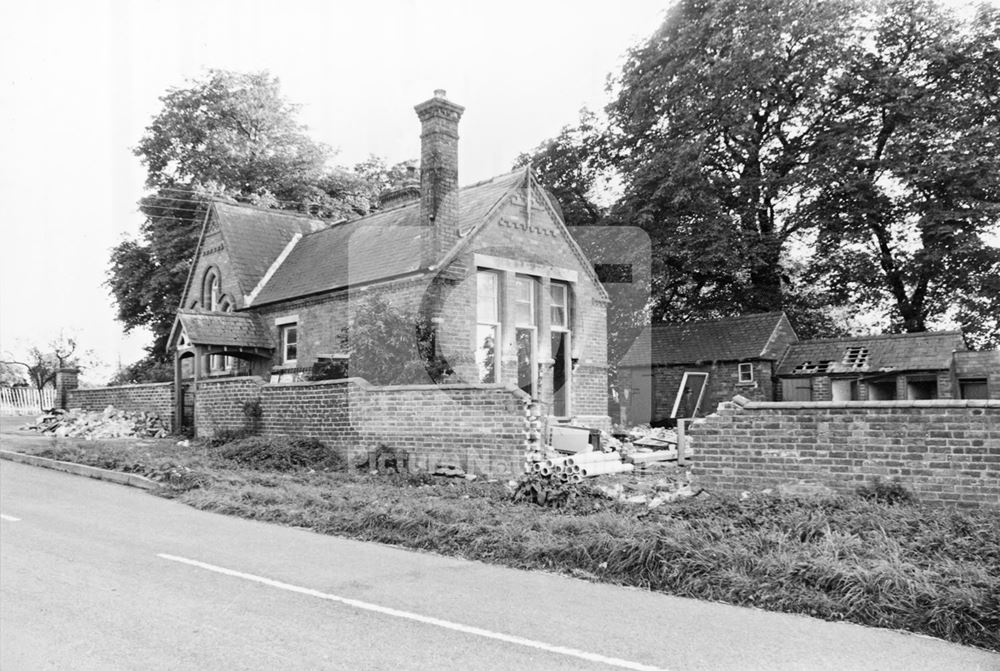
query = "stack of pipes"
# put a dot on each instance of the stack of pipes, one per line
(576, 467)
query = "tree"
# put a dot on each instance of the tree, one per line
(718, 129)
(571, 168)
(11, 375)
(229, 136)
(41, 365)
(915, 184)
(391, 346)
(861, 137)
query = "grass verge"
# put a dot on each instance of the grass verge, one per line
(927, 570)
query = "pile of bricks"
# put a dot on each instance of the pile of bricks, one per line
(109, 423)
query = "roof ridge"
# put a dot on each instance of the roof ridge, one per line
(700, 322)
(271, 210)
(884, 336)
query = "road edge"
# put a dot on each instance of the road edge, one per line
(128, 479)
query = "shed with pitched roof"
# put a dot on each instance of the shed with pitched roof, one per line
(684, 369)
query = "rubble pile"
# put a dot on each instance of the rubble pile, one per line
(626, 463)
(109, 423)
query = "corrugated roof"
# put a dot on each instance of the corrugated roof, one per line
(872, 354)
(731, 339)
(254, 238)
(378, 246)
(240, 329)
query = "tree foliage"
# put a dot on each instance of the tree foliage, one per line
(861, 139)
(41, 364)
(570, 167)
(391, 346)
(902, 212)
(226, 136)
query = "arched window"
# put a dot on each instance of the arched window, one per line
(211, 290)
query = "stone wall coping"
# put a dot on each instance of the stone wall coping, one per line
(124, 386)
(859, 405)
(368, 386)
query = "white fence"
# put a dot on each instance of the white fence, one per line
(25, 400)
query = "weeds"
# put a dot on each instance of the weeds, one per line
(888, 492)
(282, 454)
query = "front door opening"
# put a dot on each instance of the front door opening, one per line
(526, 360)
(560, 373)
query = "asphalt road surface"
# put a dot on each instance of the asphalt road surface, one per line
(99, 576)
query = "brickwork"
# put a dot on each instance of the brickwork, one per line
(945, 451)
(978, 366)
(482, 428)
(157, 398)
(213, 255)
(723, 384)
(544, 250)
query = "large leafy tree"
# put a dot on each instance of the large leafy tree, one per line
(570, 166)
(718, 128)
(907, 207)
(798, 155)
(228, 136)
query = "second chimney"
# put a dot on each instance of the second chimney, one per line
(439, 119)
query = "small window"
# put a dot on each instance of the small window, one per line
(746, 373)
(289, 344)
(559, 301)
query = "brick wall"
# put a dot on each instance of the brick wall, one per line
(158, 398)
(723, 384)
(481, 428)
(946, 451)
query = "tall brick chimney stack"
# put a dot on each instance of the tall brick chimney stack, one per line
(438, 174)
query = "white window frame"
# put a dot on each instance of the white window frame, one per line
(565, 306)
(567, 329)
(680, 393)
(740, 368)
(285, 329)
(496, 325)
(531, 325)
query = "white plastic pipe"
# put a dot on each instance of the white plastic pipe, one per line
(592, 457)
(590, 470)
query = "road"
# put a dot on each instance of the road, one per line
(99, 576)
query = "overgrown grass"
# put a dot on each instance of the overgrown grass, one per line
(928, 570)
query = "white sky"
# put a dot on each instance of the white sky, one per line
(79, 81)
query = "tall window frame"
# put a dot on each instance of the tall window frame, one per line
(289, 344)
(561, 337)
(489, 326)
(526, 332)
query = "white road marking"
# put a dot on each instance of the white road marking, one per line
(9, 518)
(445, 624)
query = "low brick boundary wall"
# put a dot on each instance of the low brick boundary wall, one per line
(157, 397)
(482, 428)
(945, 451)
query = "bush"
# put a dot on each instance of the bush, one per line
(226, 436)
(282, 454)
(890, 493)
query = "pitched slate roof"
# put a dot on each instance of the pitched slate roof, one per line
(240, 329)
(732, 339)
(255, 237)
(872, 354)
(378, 246)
